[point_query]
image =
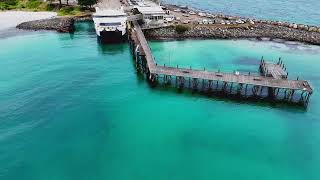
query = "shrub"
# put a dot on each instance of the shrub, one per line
(10, 2)
(50, 7)
(70, 10)
(66, 11)
(3, 6)
(87, 2)
(181, 28)
(33, 4)
(7, 4)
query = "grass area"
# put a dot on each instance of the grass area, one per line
(32, 5)
(71, 11)
(38, 5)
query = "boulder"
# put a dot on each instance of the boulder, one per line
(286, 24)
(250, 21)
(313, 29)
(301, 26)
(294, 26)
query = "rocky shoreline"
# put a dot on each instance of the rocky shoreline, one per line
(59, 24)
(258, 31)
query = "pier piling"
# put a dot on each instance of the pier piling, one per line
(272, 80)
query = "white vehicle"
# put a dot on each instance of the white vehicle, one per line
(202, 14)
(177, 10)
(110, 25)
(168, 18)
(209, 16)
(186, 22)
(192, 13)
(205, 21)
(239, 21)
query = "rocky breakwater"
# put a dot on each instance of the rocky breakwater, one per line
(257, 30)
(59, 24)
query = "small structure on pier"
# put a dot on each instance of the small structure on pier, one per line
(277, 71)
(272, 83)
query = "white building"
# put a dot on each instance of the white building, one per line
(151, 12)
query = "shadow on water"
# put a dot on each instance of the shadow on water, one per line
(12, 32)
(85, 26)
(231, 98)
(111, 49)
(247, 61)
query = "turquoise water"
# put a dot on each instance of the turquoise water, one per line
(299, 11)
(73, 109)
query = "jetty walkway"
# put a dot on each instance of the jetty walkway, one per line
(272, 83)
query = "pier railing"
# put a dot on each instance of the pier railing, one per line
(272, 83)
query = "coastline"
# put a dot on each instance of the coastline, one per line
(59, 24)
(259, 32)
(43, 20)
(10, 19)
(252, 28)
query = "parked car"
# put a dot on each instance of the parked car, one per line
(186, 22)
(202, 14)
(205, 21)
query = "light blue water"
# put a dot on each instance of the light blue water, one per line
(73, 109)
(299, 11)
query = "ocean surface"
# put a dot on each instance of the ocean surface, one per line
(73, 109)
(298, 11)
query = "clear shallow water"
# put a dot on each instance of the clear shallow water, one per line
(72, 109)
(299, 11)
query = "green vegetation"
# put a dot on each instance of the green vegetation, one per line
(181, 28)
(70, 10)
(8, 4)
(87, 3)
(38, 5)
(32, 5)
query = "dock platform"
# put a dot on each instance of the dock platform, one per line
(272, 83)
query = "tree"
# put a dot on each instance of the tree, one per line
(87, 2)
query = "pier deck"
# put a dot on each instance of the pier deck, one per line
(234, 78)
(273, 76)
(277, 71)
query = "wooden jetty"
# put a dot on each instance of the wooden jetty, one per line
(272, 83)
(277, 71)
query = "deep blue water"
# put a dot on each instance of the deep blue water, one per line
(300, 11)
